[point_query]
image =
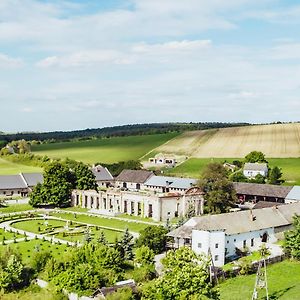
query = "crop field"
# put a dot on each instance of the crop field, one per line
(10, 168)
(276, 140)
(105, 150)
(283, 283)
(193, 167)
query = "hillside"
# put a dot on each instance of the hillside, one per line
(106, 150)
(275, 140)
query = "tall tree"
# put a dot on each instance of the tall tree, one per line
(219, 194)
(255, 157)
(292, 240)
(186, 277)
(275, 176)
(154, 237)
(84, 177)
(126, 243)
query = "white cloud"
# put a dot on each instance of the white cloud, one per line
(9, 62)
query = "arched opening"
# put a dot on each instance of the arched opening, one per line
(264, 237)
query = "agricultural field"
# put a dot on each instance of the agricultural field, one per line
(11, 168)
(276, 140)
(193, 167)
(105, 150)
(280, 285)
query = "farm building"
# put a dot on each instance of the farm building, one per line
(102, 176)
(261, 192)
(20, 184)
(164, 184)
(224, 235)
(163, 160)
(132, 179)
(293, 195)
(253, 169)
(159, 207)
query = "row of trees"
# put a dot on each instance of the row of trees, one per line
(59, 181)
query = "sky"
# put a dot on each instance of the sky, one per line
(67, 65)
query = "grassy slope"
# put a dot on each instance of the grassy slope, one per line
(280, 285)
(276, 140)
(8, 168)
(105, 150)
(194, 167)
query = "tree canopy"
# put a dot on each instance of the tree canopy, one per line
(186, 277)
(218, 191)
(255, 157)
(292, 240)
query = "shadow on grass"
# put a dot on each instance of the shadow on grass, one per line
(276, 295)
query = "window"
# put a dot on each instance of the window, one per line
(199, 245)
(216, 257)
(227, 242)
(150, 211)
(244, 243)
(187, 241)
(234, 240)
(252, 242)
(132, 207)
(217, 246)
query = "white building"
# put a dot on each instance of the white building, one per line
(253, 169)
(159, 207)
(221, 235)
(163, 160)
(102, 176)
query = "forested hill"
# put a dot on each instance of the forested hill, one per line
(124, 130)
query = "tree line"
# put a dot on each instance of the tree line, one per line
(125, 130)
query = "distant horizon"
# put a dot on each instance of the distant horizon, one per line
(132, 124)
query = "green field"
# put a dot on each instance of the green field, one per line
(283, 283)
(105, 222)
(193, 167)
(104, 150)
(10, 168)
(26, 249)
(14, 208)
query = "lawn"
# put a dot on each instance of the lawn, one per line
(39, 226)
(26, 249)
(283, 283)
(106, 150)
(10, 168)
(193, 167)
(4, 235)
(102, 222)
(15, 208)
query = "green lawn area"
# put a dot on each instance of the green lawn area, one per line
(194, 166)
(99, 221)
(26, 249)
(106, 150)
(15, 208)
(34, 225)
(4, 235)
(10, 168)
(283, 283)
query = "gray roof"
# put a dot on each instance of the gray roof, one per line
(172, 182)
(136, 176)
(294, 193)
(241, 221)
(32, 179)
(265, 190)
(12, 182)
(256, 166)
(102, 174)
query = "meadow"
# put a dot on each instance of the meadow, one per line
(193, 167)
(280, 285)
(106, 150)
(275, 140)
(10, 168)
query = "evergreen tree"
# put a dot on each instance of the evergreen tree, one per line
(292, 240)
(126, 243)
(87, 236)
(275, 176)
(102, 239)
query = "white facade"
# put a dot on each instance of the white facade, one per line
(158, 207)
(253, 169)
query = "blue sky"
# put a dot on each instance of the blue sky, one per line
(68, 65)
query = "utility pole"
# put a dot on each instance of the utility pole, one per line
(261, 280)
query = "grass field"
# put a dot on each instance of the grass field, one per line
(15, 208)
(26, 249)
(105, 150)
(283, 283)
(276, 140)
(10, 168)
(193, 167)
(105, 222)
